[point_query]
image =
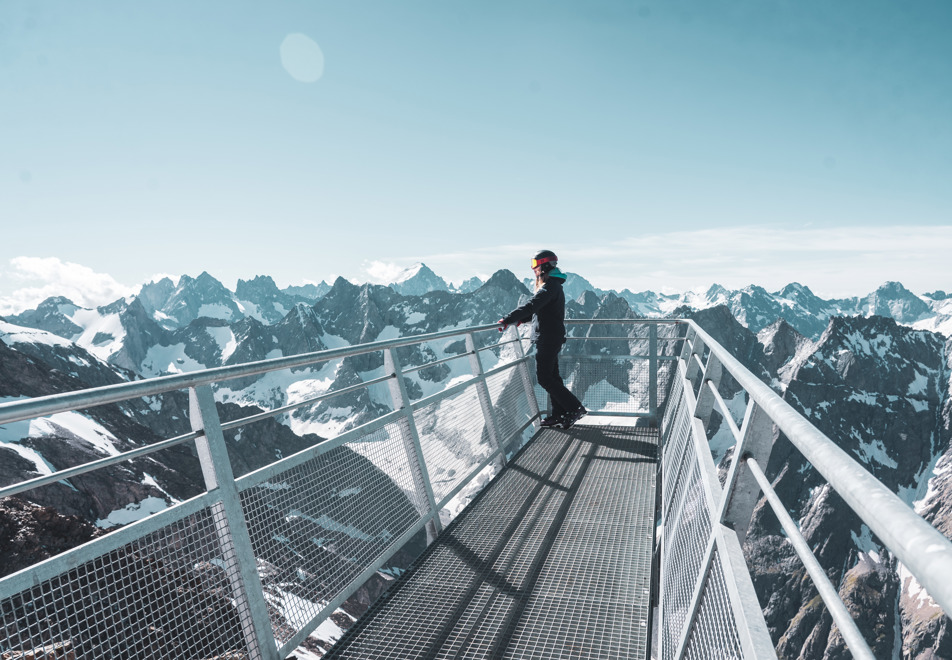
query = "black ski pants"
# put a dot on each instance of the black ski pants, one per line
(547, 373)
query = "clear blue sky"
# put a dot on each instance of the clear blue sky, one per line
(651, 144)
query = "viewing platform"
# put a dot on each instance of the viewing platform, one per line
(513, 540)
(551, 560)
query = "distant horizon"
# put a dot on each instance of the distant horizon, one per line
(89, 289)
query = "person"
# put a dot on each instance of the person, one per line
(547, 308)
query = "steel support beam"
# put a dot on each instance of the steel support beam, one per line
(235, 542)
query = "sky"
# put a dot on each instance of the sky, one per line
(652, 145)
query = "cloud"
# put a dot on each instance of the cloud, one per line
(38, 278)
(833, 261)
(381, 272)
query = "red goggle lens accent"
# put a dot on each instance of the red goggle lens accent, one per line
(538, 262)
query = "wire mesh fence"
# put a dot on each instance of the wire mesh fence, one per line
(317, 526)
(164, 595)
(714, 633)
(318, 523)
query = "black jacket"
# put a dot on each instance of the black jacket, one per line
(548, 305)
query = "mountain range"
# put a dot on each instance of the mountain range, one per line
(871, 372)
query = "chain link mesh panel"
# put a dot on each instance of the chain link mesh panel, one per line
(686, 532)
(714, 633)
(510, 403)
(605, 384)
(317, 526)
(667, 376)
(675, 459)
(454, 438)
(165, 595)
(673, 405)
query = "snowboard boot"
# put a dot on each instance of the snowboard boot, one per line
(551, 421)
(569, 419)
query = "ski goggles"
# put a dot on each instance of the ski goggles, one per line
(538, 262)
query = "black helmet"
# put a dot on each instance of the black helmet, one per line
(546, 259)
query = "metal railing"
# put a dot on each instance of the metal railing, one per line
(254, 565)
(708, 604)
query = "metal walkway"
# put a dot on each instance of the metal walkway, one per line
(551, 560)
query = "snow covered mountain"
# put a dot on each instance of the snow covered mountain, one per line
(418, 280)
(870, 371)
(881, 391)
(468, 286)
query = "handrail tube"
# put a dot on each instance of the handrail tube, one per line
(420, 367)
(725, 413)
(266, 472)
(613, 356)
(274, 412)
(460, 386)
(171, 442)
(841, 616)
(918, 545)
(46, 569)
(489, 347)
(68, 473)
(639, 321)
(645, 338)
(16, 411)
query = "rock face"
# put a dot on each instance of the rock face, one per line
(44, 521)
(418, 280)
(881, 392)
(30, 533)
(876, 386)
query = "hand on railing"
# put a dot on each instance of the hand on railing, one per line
(503, 325)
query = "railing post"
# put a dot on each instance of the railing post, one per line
(693, 357)
(426, 502)
(688, 344)
(710, 379)
(526, 379)
(485, 402)
(653, 373)
(741, 490)
(237, 553)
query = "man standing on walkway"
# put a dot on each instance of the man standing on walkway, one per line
(547, 307)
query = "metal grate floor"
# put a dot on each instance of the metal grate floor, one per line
(552, 560)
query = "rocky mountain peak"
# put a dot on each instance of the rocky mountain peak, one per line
(715, 293)
(576, 285)
(794, 289)
(154, 295)
(342, 286)
(896, 301)
(589, 299)
(470, 285)
(308, 291)
(781, 343)
(52, 315)
(201, 296)
(262, 287)
(208, 281)
(505, 279)
(418, 280)
(876, 354)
